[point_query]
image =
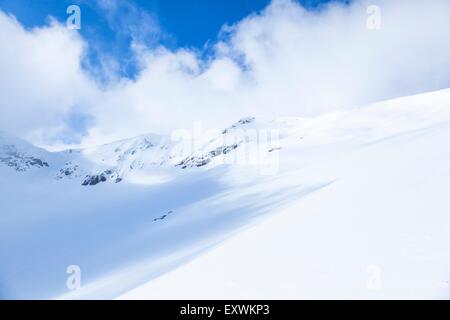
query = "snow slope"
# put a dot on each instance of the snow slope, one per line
(351, 204)
(386, 217)
(379, 231)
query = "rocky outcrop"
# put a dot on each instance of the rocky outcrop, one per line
(204, 159)
(163, 216)
(70, 170)
(241, 122)
(20, 161)
(107, 175)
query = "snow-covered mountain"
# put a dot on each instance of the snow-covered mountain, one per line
(141, 159)
(19, 155)
(350, 204)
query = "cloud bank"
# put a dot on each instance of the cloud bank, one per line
(283, 61)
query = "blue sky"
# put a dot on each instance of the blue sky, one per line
(173, 23)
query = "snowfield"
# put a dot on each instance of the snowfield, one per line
(350, 204)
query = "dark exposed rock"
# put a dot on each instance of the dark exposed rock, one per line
(239, 123)
(67, 171)
(109, 174)
(227, 149)
(202, 160)
(20, 161)
(163, 216)
(37, 162)
(93, 180)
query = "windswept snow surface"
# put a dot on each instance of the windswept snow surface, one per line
(351, 204)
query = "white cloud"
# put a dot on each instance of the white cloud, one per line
(284, 61)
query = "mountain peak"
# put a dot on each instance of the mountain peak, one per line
(19, 154)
